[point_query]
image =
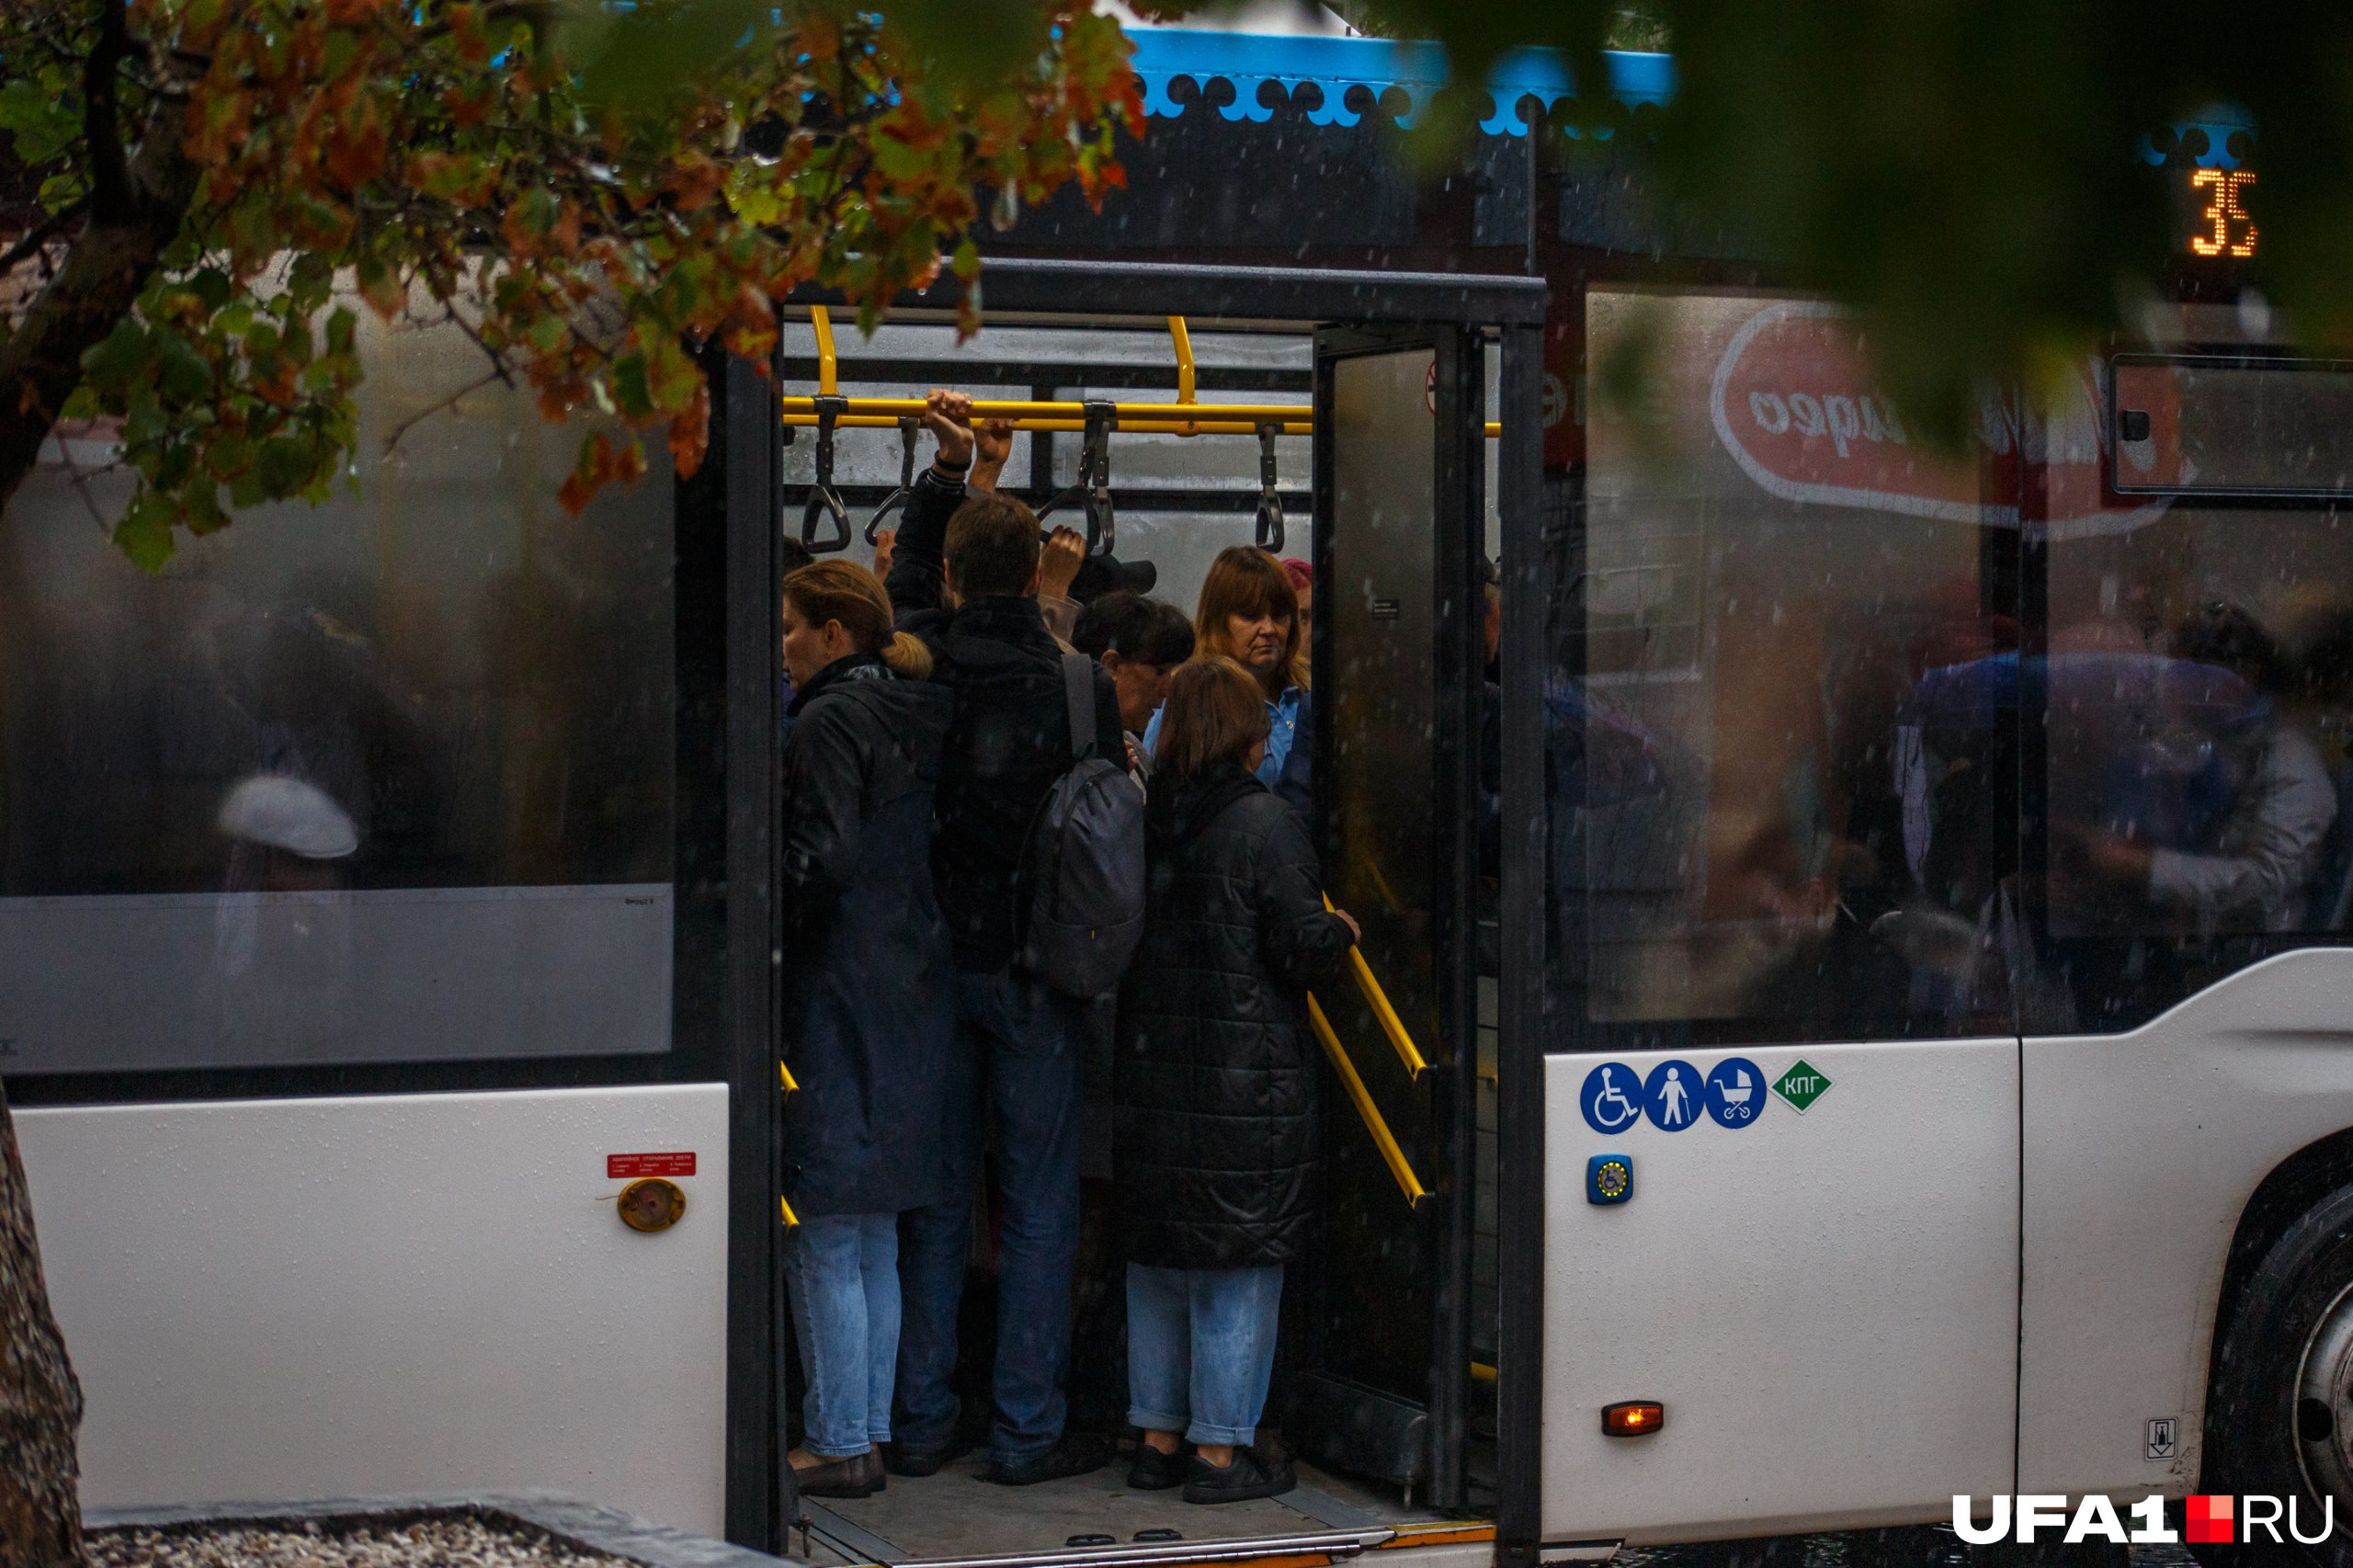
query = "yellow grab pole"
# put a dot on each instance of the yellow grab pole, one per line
(1185, 377)
(1390, 1023)
(1482, 1373)
(828, 362)
(1395, 1157)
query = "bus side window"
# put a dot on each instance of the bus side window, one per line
(1782, 718)
(2196, 708)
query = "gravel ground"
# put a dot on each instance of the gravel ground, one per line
(427, 1543)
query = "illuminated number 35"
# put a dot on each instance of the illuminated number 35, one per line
(2222, 212)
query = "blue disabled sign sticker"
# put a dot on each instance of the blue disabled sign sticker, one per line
(1674, 1096)
(1735, 1092)
(1612, 1098)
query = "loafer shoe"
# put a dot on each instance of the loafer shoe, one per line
(860, 1475)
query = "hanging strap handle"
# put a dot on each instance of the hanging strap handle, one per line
(1092, 493)
(1078, 691)
(825, 501)
(897, 500)
(1270, 504)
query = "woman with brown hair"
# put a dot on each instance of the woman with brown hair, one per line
(1249, 613)
(869, 1000)
(1214, 1090)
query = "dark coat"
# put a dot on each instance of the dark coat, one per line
(869, 994)
(1214, 1082)
(1010, 739)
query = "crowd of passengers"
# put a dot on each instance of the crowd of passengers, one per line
(929, 720)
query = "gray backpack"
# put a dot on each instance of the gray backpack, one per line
(1083, 870)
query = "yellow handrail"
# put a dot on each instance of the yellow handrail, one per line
(1382, 1138)
(1187, 378)
(791, 1221)
(1145, 426)
(785, 1073)
(828, 362)
(1203, 418)
(1378, 999)
(1482, 1373)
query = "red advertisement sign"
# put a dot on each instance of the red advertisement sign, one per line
(629, 1167)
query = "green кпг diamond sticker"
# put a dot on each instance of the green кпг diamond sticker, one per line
(1802, 1086)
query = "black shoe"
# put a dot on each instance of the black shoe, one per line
(860, 1475)
(1250, 1475)
(1155, 1472)
(900, 1459)
(1076, 1454)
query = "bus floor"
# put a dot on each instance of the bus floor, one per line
(957, 1515)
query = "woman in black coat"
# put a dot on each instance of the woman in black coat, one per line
(871, 1006)
(1214, 1090)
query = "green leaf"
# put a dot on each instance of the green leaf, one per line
(117, 359)
(145, 532)
(283, 466)
(632, 390)
(184, 373)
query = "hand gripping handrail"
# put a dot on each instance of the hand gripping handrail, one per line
(825, 501)
(897, 500)
(1383, 1138)
(1378, 1000)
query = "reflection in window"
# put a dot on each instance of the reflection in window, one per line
(2201, 679)
(1766, 825)
(387, 779)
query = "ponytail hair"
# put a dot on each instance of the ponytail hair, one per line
(835, 590)
(907, 656)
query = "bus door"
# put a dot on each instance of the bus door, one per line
(1399, 504)
(1780, 1089)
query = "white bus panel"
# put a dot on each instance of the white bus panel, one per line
(337, 1296)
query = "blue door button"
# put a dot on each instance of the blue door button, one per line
(1609, 1178)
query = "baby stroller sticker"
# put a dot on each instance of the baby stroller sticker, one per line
(1735, 1092)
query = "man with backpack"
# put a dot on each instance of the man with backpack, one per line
(1016, 808)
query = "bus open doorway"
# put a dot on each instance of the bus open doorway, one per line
(1389, 1323)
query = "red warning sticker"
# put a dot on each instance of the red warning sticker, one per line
(627, 1167)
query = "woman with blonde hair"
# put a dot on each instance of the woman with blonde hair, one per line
(1249, 613)
(870, 1000)
(1214, 1090)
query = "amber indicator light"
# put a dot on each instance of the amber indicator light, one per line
(1635, 1419)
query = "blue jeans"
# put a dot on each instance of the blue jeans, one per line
(1019, 1041)
(1200, 1348)
(842, 1272)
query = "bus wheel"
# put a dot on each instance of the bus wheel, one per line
(2279, 1416)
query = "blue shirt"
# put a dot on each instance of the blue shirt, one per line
(1282, 728)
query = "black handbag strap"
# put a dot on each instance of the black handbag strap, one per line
(1078, 689)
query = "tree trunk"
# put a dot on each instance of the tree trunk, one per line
(40, 1401)
(105, 268)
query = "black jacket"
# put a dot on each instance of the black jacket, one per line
(869, 995)
(1010, 739)
(1215, 1076)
